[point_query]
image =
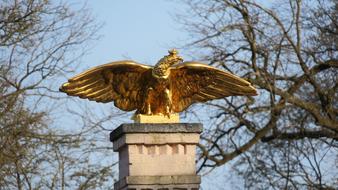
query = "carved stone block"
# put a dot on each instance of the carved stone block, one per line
(157, 156)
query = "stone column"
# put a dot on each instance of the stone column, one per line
(157, 156)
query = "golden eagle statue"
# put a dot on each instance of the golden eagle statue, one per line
(170, 86)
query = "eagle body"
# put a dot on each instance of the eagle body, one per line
(168, 87)
(157, 98)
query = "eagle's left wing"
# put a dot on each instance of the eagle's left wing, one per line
(196, 82)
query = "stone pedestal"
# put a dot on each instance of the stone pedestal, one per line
(157, 156)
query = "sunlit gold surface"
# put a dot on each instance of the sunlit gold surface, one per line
(169, 87)
(140, 118)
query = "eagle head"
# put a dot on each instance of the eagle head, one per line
(173, 57)
(161, 68)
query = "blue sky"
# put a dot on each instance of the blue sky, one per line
(138, 30)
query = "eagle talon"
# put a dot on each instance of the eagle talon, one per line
(168, 112)
(149, 110)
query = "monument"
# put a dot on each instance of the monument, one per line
(156, 151)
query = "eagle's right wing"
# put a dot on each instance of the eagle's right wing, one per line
(193, 82)
(121, 82)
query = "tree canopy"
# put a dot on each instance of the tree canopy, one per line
(40, 41)
(285, 138)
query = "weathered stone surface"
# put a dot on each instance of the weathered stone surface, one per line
(172, 162)
(161, 187)
(171, 154)
(157, 156)
(162, 180)
(157, 182)
(155, 128)
(156, 139)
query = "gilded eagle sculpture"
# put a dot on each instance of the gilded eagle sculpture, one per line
(170, 86)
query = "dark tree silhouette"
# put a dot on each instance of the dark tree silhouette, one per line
(40, 40)
(286, 138)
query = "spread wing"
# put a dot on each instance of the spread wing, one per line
(196, 82)
(120, 82)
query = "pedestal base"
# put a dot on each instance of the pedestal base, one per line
(157, 156)
(159, 183)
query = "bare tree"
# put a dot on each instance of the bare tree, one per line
(285, 138)
(41, 40)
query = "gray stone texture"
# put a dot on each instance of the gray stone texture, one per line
(157, 156)
(188, 182)
(155, 128)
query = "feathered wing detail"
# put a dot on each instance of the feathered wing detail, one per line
(121, 82)
(196, 82)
